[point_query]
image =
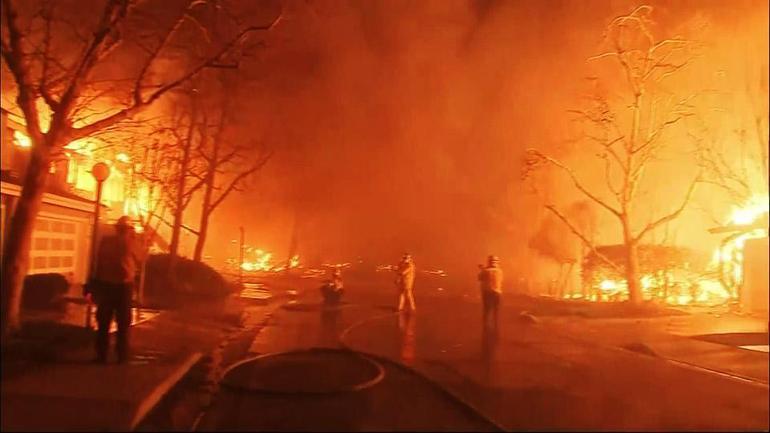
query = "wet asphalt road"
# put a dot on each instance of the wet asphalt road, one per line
(525, 379)
(402, 401)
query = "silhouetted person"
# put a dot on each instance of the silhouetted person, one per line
(405, 273)
(332, 288)
(491, 284)
(116, 266)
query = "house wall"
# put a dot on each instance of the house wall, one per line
(756, 287)
(61, 237)
(5, 143)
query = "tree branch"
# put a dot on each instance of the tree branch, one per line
(671, 216)
(234, 183)
(114, 12)
(135, 108)
(587, 242)
(13, 55)
(575, 181)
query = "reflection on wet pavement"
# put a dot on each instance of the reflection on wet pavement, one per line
(329, 327)
(146, 357)
(406, 323)
(489, 339)
(255, 291)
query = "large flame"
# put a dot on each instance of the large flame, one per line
(727, 260)
(261, 261)
(729, 257)
(751, 211)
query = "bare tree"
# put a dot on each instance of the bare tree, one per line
(737, 162)
(64, 77)
(185, 164)
(629, 135)
(555, 242)
(226, 165)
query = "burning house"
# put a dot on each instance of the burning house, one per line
(62, 234)
(736, 272)
(741, 259)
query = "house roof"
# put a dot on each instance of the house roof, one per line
(8, 176)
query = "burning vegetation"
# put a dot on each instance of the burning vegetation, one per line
(678, 275)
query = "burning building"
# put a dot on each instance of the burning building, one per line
(61, 239)
(741, 260)
(736, 271)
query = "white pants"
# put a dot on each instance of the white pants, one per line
(407, 296)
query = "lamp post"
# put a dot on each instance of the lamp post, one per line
(240, 258)
(100, 172)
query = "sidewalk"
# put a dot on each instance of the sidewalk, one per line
(673, 339)
(73, 394)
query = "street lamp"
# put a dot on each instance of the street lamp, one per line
(240, 258)
(100, 172)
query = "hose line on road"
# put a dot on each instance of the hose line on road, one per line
(258, 374)
(470, 407)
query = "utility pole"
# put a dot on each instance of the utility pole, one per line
(100, 171)
(240, 258)
(292, 243)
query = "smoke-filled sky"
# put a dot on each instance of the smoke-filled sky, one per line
(400, 125)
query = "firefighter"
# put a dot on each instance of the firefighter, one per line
(491, 284)
(332, 289)
(405, 273)
(112, 287)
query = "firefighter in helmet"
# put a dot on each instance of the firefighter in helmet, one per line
(405, 273)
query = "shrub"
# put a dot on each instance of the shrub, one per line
(191, 280)
(44, 291)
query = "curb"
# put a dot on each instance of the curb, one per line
(679, 363)
(157, 394)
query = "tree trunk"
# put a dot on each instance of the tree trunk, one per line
(201, 241)
(208, 192)
(179, 205)
(16, 254)
(632, 265)
(204, 224)
(176, 228)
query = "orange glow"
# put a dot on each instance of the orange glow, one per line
(84, 146)
(751, 211)
(262, 262)
(44, 115)
(729, 256)
(728, 259)
(20, 139)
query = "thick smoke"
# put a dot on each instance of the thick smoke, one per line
(400, 125)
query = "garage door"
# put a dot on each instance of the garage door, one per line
(54, 246)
